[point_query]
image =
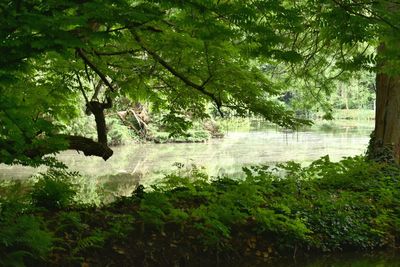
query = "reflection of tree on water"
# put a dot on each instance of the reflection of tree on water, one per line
(120, 184)
(147, 163)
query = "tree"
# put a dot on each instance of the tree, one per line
(177, 55)
(341, 37)
(362, 25)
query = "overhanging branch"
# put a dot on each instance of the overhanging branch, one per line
(116, 53)
(88, 146)
(375, 16)
(176, 73)
(103, 77)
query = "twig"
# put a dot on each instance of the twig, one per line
(81, 88)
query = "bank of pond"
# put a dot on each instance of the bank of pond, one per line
(287, 215)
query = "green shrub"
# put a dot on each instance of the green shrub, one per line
(351, 203)
(119, 134)
(54, 190)
(23, 238)
(327, 206)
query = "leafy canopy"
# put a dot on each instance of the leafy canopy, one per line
(177, 56)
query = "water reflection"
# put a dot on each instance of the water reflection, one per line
(145, 163)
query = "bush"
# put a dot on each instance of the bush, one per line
(119, 134)
(328, 206)
(54, 190)
(353, 203)
(23, 238)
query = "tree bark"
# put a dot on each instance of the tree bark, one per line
(97, 109)
(385, 142)
(89, 147)
(80, 143)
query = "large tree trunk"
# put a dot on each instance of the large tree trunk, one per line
(386, 139)
(385, 142)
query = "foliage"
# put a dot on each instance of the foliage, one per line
(60, 189)
(54, 190)
(345, 210)
(324, 207)
(352, 93)
(60, 58)
(23, 238)
(190, 136)
(118, 133)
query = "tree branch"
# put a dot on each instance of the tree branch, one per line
(89, 147)
(80, 52)
(116, 53)
(79, 143)
(81, 88)
(176, 73)
(375, 16)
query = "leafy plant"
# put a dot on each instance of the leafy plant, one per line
(54, 190)
(23, 237)
(324, 207)
(96, 239)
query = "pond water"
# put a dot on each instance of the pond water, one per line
(260, 144)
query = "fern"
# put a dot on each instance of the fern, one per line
(96, 240)
(22, 237)
(54, 190)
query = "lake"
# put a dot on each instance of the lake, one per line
(260, 144)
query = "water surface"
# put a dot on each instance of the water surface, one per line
(146, 163)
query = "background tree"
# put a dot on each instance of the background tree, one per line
(177, 55)
(362, 25)
(337, 38)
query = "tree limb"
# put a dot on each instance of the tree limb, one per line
(374, 16)
(88, 146)
(81, 88)
(80, 52)
(116, 53)
(176, 73)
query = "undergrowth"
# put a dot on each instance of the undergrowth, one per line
(325, 207)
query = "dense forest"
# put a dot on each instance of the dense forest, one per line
(90, 76)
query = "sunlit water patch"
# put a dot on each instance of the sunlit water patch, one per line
(145, 163)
